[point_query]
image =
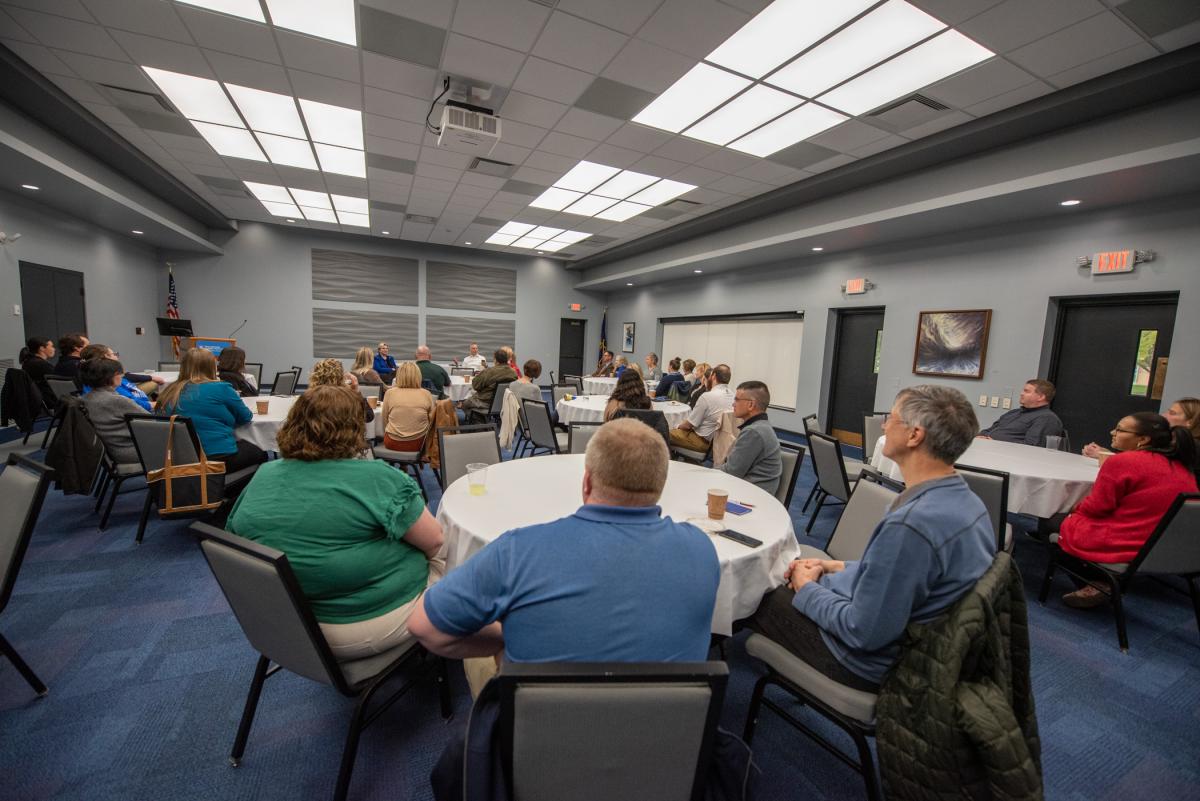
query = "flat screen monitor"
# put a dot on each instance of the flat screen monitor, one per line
(168, 327)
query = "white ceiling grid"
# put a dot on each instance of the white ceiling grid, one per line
(574, 76)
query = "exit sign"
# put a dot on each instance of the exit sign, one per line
(856, 286)
(576, 307)
(1113, 261)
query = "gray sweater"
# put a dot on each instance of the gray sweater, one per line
(755, 455)
(106, 409)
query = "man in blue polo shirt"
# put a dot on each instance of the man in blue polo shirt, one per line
(614, 582)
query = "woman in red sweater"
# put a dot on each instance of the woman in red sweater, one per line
(1135, 486)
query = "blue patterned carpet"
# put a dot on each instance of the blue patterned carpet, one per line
(148, 671)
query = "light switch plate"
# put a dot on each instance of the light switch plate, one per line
(995, 401)
(16, 310)
(983, 400)
(1006, 403)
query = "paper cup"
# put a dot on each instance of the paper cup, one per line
(717, 498)
(263, 406)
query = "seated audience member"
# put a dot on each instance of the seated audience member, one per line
(357, 533)
(1032, 421)
(619, 366)
(384, 364)
(669, 379)
(846, 619)
(126, 387)
(106, 409)
(524, 387)
(215, 409)
(698, 387)
(70, 346)
(473, 359)
(1183, 412)
(433, 373)
(696, 432)
(651, 371)
(35, 361)
(512, 360)
(407, 411)
(479, 405)
(1152, 463)
(364, 368)
(231, 368)
(755, 455)
(605, 366)
(689, 368)
(331, 373)
(629, 393)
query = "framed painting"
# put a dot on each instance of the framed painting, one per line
(627, 337)
(952, 343)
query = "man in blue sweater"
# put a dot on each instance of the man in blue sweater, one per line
(846, 618)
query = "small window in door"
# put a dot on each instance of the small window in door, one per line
(878, 349)
(1143, 365)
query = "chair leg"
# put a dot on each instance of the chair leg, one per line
(813, 517)
(755, 704)
(49, 429)
(101, 488)
(808, 500)
(1119, 612)
(351, 750)
(243, 732)
(112, 499)
(141, 532)
(1051, 565)
(867, 761)
(1195, 593)
(22, 668)
(416, 474)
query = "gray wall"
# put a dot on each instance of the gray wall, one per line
(1012, 269)
(120, 280)
(265, 276)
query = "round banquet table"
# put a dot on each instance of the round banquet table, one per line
(262, 429)
(170, 377)
(459, 389)
(590, 409)
(604, 385)
(1041, 482)
(470, 522)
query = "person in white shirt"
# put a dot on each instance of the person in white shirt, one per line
(702, 423)
(474, 360)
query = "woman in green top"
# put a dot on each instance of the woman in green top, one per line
(357, 533)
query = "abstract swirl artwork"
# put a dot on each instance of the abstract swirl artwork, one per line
(952, 343)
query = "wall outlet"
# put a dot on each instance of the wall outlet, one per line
(995, 401)
(16, 310)
(983, 400)
(1006, 402)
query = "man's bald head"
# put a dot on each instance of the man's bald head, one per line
(627, 464)
(423, 353)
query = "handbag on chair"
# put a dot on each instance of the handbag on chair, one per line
(188, 488)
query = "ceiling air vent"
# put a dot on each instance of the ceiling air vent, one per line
(424, 219)
(496, 169)
(928, 102)
(910, 112)
(135, 98)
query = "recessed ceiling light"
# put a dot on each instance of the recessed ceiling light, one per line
(782, 30)
(466, 243)
(387, 233)
(589, 205)
(342, 160)
(624, 184)
(555, 199)
(318, 215)
(622, 211)
(697, 271)
(661, 192)
(333, 125)
(287, 151)
(247, 9)
(516, 228)
(328, 19)
(30, 187)
(528, 242)
(702, 89)
(354, 205)
(795, 126)
(881, 34)
(291, 221)
(196, 98)
(501, 239)
(747, 111)
(628, 283)
(135, 231)
(586, 176)
(571, 237)
(543, 232)
(267, 111)
(817, 250)
(311, 199)
(268, 192)
(555, 245)
(281, 209)
(233, 142)
(541, 252)
(350, 218)
(1070, 202)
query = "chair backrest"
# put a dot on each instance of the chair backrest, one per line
(595, 732)
(255, 369)
(872, 431)
(370, 390)
(461, 371)
(992, 488)
(574, 380)
(266, 598)
(498, 398)
(1173, 547)
(168, 367)
(427, 385)
(868, 504)
(464, 445)
(651, 417)
(811, 425)
(827, 461)
(285, 382)
(793, 457)
(61, 387)
(149, 433)
(541, 429)
(22, 489)
(558, 390)
(578, 436)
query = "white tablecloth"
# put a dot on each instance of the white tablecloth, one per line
(590, 409)
(262, 429)
(459, 389)
(604, 385)
(472, 521)
(169, 377)
(1041, 482)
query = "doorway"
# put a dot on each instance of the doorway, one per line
(570, 346)
(52, 301)
(1109, 359)
(857, 342)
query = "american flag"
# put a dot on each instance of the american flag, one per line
(172, 307)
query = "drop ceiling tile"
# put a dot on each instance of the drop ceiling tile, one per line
(615, 156)
(1076, 45)
(648, 66)
(400, 37)
(401, 107)
(681, 148)
(769, 172)
(68, 34)
(728, 161)
(562, 144)
(446, 158)
(1014, 23)
(209, 160)
(398, 76)
(639, 137)
(692, 27)
(552, 81)
(880, 145)
(952, 12)
(448, 174)
(548, 162)
(578, 43)
(326, 58)
(72, 9)
(411, 133)
(740, 186)
(588, 124)
(417, 232)
(508, 23)
(698, 176)
(1009, 99)
(541, 178)
(512, 154)
(659, 166)
(1180, 37)
(324, 89)
(387, 192)
(751, 7)
(38, 57)
(346, 185)
(80, 89)
(520, 134)
(484, 181)
(830, 163)
(103, 70)
(940, 124)
(476, 192)
(150, 51)
(109, 115)
(533, 110)
(476, 59)
(1156, 17)
(614, 99)
(229, 34)
(141, 16)
(623, 15)
(431, 12)
(180, 143)
(248, 72)
(988, 79)
(848, 137)
(1109, 62)
(14, 32)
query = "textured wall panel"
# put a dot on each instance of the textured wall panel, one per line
(456, 286)
(363, 278)
(449, 337)
(339, 333)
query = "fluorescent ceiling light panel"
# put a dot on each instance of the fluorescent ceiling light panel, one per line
(555, 199)
(940, 57)
(328, 19)
(268, 192)
(342, 160)
(553, 246)
(781, 30)
(744, 113)
(698, 92)
(234, 142)
(516, 228)
(318, 215)
(808, 120)
(571, 237)
(622, 211)
(196, 98)
(543, 232)
(624, 184)
(353, 205)
(285, 150)
(662, 192)
(589, 205)
(881, 34)
(333, 125)
(586, 176)
(350, 218)
(281, 209)
(501, 239)
(310, 199)
(246, 9)
(267, 111)
(528, 242)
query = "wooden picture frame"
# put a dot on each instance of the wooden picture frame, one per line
(628, 337)
(952, 344)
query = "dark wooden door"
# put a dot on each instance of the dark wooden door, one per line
(1110, 358)
(570, 346)
(52, 301)
(855, 372)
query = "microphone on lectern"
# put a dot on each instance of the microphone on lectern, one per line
(234, 331)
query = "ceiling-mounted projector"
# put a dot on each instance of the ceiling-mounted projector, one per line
(468, 129)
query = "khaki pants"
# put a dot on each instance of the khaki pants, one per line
(688, 439)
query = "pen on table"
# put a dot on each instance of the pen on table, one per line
(743, 503)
